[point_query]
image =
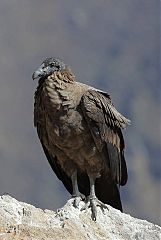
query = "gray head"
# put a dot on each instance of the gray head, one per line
(49, 66)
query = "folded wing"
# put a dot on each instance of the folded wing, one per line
(105, 124)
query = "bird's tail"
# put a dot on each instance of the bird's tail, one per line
(107, 192)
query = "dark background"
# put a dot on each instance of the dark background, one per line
(112, 45)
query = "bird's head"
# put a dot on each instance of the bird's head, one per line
(48, 67)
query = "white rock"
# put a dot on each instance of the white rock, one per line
(20, 220)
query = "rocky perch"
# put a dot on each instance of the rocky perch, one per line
(22, 221)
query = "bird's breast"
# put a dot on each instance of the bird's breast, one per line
(62, 118)
(65, 129)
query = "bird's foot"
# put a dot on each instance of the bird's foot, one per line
(77, 199)
(93, 203)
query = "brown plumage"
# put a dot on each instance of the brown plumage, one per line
(80, 132)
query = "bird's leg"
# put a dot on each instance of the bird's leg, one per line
(93, 201)
(76, 194)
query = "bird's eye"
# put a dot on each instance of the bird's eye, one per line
(52, 64)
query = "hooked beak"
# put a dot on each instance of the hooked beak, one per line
(38, 73)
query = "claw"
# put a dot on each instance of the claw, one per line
(93, 203)
(77, 200)
(93, 209)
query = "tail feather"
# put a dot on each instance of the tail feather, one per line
(108, 192)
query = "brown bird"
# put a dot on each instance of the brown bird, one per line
(80, 132)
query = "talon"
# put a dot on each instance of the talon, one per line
(76, 201)
(93, 203)
(94, 209)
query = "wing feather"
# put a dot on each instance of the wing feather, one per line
(105, 124)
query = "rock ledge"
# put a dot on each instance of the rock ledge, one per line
(22, 221)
